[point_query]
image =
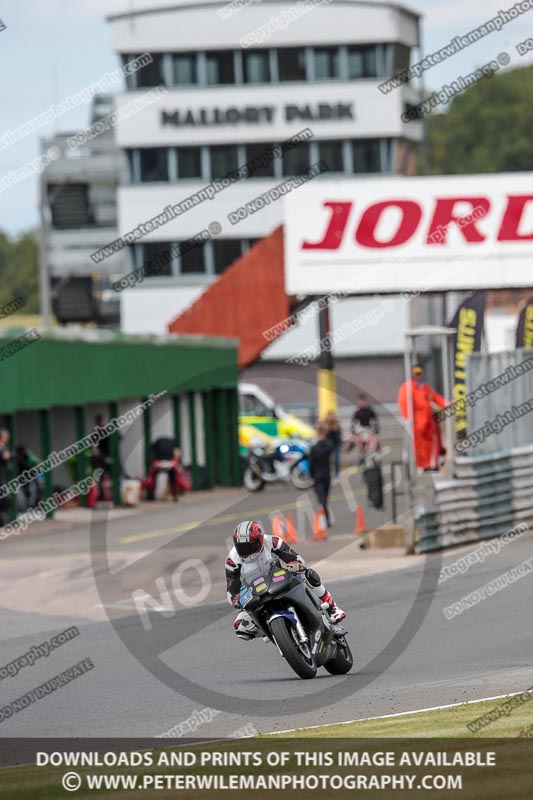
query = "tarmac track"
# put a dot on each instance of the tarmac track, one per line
(407, 654)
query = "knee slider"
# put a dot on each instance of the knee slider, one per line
(313, 578)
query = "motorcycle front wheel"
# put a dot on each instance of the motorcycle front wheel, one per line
(300, 479)
(251, 481)
(297, 655)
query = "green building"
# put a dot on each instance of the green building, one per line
(54, 383)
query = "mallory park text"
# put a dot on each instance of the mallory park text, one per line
(256, 114)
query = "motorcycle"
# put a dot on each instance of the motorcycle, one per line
(367, 441)
(288, 463)
(290, 615)
(165, 476)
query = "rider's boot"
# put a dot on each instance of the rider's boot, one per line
(245, 627)
(335, 612)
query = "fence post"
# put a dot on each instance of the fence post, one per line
(192, 426)
(115, 455)
(46, 447)
(81, 461)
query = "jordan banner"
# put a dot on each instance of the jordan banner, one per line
(468, 320)
(524, 329)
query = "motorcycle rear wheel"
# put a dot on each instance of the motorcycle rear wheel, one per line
(251, 481)
(304, 666)
(343, 661)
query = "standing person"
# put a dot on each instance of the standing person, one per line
(320, 468)
(24, 460)
(5, 458)
(424, 434)
(364, 414)
(102, 451)
(334, 436)
(166, 457)
(101, 459)
(365, 427)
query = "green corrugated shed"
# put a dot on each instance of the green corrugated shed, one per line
(71, 368)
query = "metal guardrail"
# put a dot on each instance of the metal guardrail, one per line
(507, 378)
(489, 495)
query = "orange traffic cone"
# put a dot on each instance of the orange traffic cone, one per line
(291, 530)
(284, 528)
(320, 530)
(360, 522)
(279, 527)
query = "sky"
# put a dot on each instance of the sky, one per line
(50, 49)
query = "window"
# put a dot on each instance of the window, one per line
(401, 56)
(154, 164)
(362, 62)
(130, 157)
(256, 66)
(193, 262)
(326, 61)
(189, 162)
(226, 251)
(70, 205)
(332, 154)
(252, 406)
(366, 155)
(156, 258)
(296, 160)
(224, 159)
(256, 151)
(184, 71)
(247, 244)
(130, 77)
(151, 74)
(386, 155)
(220, 68)
(291, 64)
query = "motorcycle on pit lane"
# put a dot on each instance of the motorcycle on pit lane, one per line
(288, 463)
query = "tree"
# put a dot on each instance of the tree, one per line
(487, 128)
(19, 270)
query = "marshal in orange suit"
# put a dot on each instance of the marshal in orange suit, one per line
(425, 428)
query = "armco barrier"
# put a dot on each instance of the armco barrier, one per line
(490, 494)
(509, 377)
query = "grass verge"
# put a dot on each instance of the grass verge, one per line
(501, 722)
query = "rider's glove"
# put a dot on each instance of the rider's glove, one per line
(294, 566)
(235, 601)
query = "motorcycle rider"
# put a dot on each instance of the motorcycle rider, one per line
(249, 541)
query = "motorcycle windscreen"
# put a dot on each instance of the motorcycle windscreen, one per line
(255, 567)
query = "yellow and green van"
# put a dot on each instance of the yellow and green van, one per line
(258, 409)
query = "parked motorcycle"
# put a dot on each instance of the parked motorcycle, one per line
(290, 615)
(165, 473)
(165, 477)
(288, 463)
(367, 441)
